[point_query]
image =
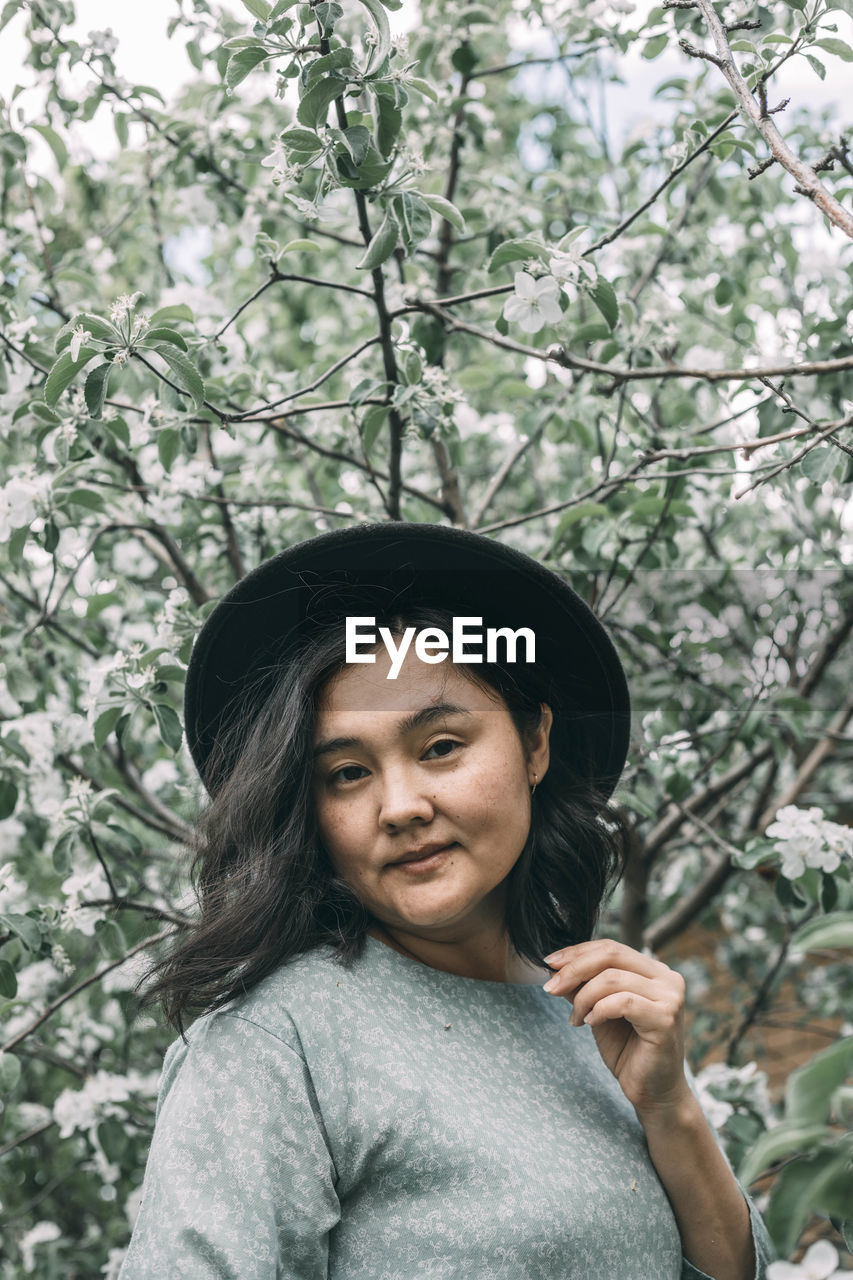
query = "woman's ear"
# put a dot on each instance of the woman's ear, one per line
(539, 754)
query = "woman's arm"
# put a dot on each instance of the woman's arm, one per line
(240, 1183)
(712, 1215)
(635, 1006)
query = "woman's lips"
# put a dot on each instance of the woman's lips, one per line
(427, 863)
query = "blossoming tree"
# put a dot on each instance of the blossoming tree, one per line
(436, 284)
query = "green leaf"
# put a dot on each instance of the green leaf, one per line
(816, 66)
(64, 371)
(382, 245)
(8, 798)
(301, 246)
(242, 64)
(809, 1088)
(475, 14)
(25, 927)
(10, 1071)
(334, 61)
(105, 723)
(112, 1134)
(515, 250)
(41, 411)
(8, 981)
(168, 446)
(95, 390)
(314, 106)
(122, 128)
(97, 326)
(16, 545)
(280, 8)
(380, 21)
(801, 1188)
(85, 498)
(53, 140)
(464, 58)
(186, 374)
(444, 209)
(840, 48)
(604, 297)
(655, 46)
(167, 315)
(327, 13)
(62, 851)
(258, 9)
(164, 334)
(834, 930)
(422, 86)
(414, 217)
(368, 174)
(371, 424)
(301, 142)
(785, 1139)
(9, 10)
(583, 511)
(168, 724)
(389, 121)
(356, 140)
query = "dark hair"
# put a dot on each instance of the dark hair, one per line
(266, 888)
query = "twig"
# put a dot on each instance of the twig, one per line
(81, 986)
(566, 360)
(126, 904)
(277, 276)
(309, 387)
(807, 181)
(823, 434)
(763, 993)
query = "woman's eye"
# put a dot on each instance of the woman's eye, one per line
(444, 742)
(338, 775)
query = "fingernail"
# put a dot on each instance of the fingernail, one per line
(550, 984)
(553, 956)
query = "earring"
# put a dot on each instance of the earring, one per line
(535, 785)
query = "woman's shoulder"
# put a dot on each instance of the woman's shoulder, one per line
(276, 1006)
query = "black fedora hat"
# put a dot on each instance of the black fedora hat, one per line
(371, 570)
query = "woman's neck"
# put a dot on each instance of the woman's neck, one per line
(501, 964)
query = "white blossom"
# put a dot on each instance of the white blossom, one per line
(535, 302)
(20, 500)
(102, 1095)
(80, 885)
(569, 267)
(820, 1262)
(41, 1233)
(282, 169)
(79, 335)
(804, 838)
(111, 1268)
(123, 306)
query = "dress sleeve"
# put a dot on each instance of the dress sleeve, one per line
(762, 1249)
(240, 1181)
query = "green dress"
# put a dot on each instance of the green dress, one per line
(391, 1121)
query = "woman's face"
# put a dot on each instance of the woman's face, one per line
(427, 759)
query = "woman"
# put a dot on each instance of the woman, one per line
(404, 841)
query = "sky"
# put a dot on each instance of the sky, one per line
(145, 55)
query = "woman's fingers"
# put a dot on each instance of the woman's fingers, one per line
(642, 1013)
(592, 994)
(579, 963)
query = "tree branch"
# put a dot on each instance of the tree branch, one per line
(807, 180)
(81, 986)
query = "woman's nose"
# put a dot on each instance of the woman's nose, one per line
(404, 799)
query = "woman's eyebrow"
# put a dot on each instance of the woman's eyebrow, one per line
(426, 715)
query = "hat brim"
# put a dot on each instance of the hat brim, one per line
(371, 569)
